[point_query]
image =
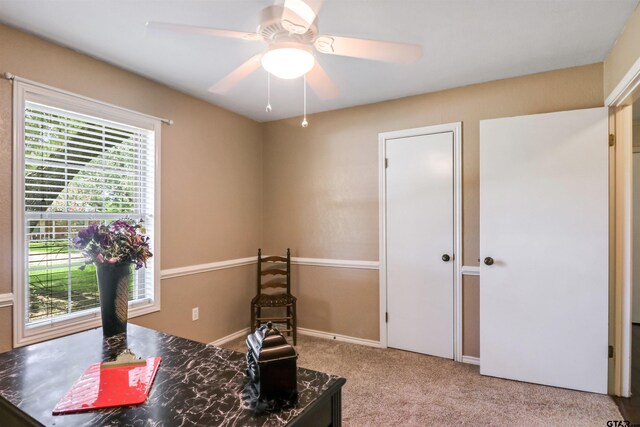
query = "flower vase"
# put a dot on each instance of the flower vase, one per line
(113, 283)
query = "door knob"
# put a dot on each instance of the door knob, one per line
(446, 258)
(488, 260)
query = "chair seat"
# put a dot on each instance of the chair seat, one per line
(273, 300)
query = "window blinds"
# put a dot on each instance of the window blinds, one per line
(79, 170)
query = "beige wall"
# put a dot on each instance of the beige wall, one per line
(5, 329)
(321, 182)
(636, 132)
(471, 316)
(320, 186)
(338, 299)
(222, 298)
(625, 52)
(211, 173)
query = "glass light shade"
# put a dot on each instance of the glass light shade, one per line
(288, 62)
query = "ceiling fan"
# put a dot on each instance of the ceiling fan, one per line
(290, 29)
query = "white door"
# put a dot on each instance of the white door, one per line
(419, 233)
(544, 222)
(635, 293)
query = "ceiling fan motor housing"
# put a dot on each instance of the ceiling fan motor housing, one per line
(272, 28)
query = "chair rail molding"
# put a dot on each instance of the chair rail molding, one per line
(337, 263)
(203, 268)
(6, 300)
(470, 270)
(232, 263)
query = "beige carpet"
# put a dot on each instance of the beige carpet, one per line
(387, 387)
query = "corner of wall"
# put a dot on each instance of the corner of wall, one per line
(624, 53)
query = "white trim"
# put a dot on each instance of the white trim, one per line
(622, 94)
(382, 239)
(234, 336)
(307, 332)
(23, 90)
(456, 128)
(17, 214)
(457, 212)
(221, 265)
(470, 270)
(623, 250)
(6, 300)
(14, 78)
(471, 360)
(337, 263)
(156, 244)
(203, 268)
(629, 83)
(338, 337)
(78, 323)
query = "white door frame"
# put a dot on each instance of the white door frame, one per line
(619, 96)
(456, 128)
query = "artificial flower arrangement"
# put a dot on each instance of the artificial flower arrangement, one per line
(122, 241)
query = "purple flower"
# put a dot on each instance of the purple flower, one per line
(84, 236)
(104, 240)
(120, 242)
(92, 229)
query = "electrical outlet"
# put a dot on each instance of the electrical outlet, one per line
(195, 313)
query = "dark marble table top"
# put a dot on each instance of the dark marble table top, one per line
(196, 384)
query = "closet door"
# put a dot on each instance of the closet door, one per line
(544, 249)
(419, 226)
(635, 292)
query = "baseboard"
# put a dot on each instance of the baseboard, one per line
(328, 336)
(234, 336)
(471, 360)
(304, 331)
(338, 337)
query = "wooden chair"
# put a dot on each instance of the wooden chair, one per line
(273, 292)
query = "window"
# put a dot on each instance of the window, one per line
(76, 162)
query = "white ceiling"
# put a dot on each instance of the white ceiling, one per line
(464, 42)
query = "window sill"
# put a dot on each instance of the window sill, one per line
(71, 325)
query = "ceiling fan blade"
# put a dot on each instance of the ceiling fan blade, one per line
(299, 15)
(193, 29)
(369, 49)
(321, 83)
(236, 75)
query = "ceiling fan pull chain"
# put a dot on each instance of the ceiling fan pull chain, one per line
(268, 109)
(305, 123)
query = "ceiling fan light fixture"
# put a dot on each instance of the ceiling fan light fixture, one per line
(288, 60)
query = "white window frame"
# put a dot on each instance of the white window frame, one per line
(24, 91)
